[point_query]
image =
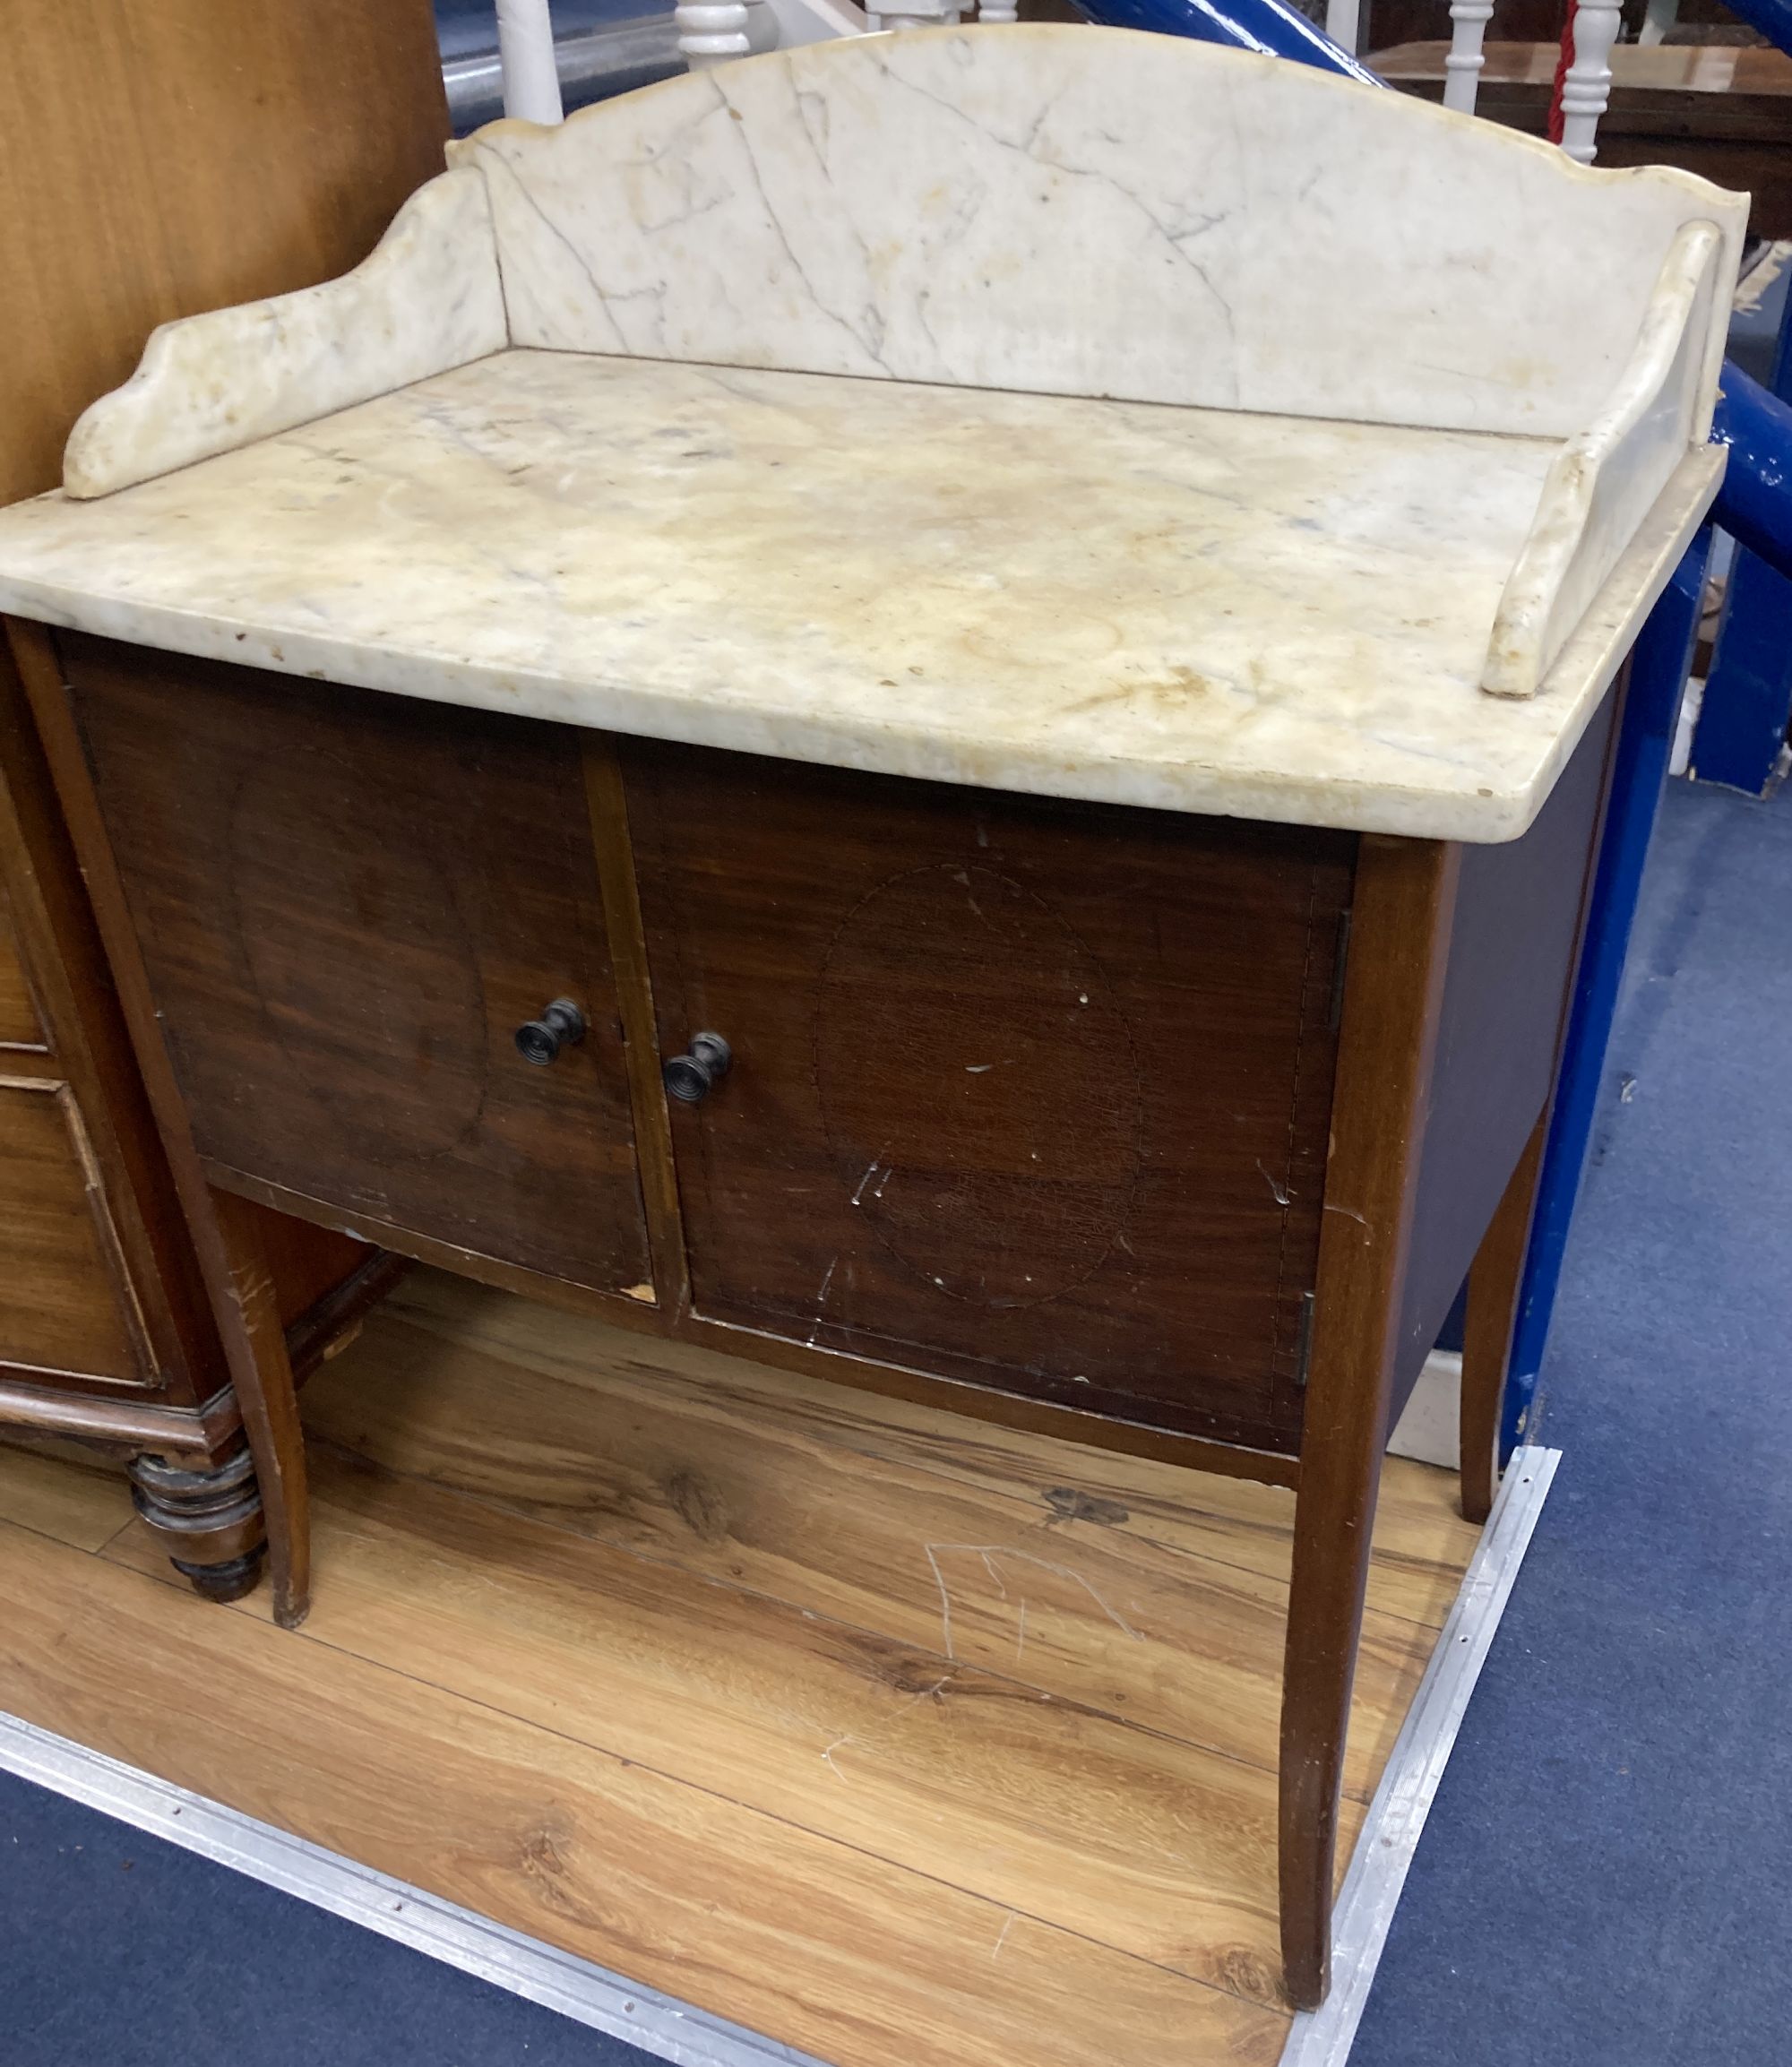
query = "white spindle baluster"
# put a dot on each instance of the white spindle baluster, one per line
(1342, 22)
(1469, 20)
(997, 10)
(1589, 83)
(921, 14)
(531, 76)
(712, 31)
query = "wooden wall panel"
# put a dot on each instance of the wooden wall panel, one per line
(166, 158)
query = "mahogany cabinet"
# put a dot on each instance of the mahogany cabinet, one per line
(1027, 1105)
(1163, 1133)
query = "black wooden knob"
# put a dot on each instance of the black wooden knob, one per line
(692, 1077)
(562, 1025)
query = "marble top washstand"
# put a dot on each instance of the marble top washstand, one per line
(1047, 409)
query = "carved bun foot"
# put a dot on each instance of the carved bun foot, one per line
(208, 1522)
(230, 1580)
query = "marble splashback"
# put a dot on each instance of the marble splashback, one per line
(1603, 479)
(1188, 610)
(1089, 212)
(428, 297)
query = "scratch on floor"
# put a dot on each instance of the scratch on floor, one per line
(864, 1737)
(987, 1552)
(1280, 1192)
(1003, 1940)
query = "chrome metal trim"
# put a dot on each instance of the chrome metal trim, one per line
(588, 1994)
(1324, 2038)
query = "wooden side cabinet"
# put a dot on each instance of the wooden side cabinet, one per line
(105, 1333)
(157, 161)
(1170, 1133)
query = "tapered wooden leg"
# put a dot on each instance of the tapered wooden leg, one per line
(1492, 1315)
(239, 1285)
(1404, 898)
(242, 1297)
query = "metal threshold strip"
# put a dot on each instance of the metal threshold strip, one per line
(1324, 2038)
(669, 2030)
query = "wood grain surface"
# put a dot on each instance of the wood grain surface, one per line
(1032, 1094)
(646, 1392)
(78, 1502)
(20, 1027)
(347, 903)
(898, 1741)
(161, 160)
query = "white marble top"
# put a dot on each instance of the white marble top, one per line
(1256, 616)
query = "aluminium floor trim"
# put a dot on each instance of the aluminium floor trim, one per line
(589, 1994)
(1324, 2038)
(669, 2030)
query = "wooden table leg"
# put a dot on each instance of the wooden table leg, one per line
(1405, 895)
(1488, 1323)
(239, 1287)
(255, 1341)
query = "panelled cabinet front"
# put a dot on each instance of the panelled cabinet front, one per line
(348, 904)
(69, 1310)
(1028, 1093)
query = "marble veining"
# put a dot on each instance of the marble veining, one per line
(1080, 210)
(428, 297)
(1199, 610)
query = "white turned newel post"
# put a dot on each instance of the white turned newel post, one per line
(1469, 20)
(713, 31)
(1589, 84)
(531, 77)
(1341, 24)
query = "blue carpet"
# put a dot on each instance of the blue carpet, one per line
(1608, 1874)
(1606, 1878)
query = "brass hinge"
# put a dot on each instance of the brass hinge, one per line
(1303, 1353)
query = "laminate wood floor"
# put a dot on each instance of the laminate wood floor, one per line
(901, 1739)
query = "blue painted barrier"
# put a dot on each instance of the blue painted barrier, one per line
(1269, 27)
(1748, 698)
(1658, 680)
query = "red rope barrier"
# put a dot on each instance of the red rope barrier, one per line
(1562, 64)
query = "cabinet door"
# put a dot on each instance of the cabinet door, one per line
(1028, 1094)
(347, 903)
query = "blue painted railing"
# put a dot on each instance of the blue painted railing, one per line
(1755, 505)
(1271, 27)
